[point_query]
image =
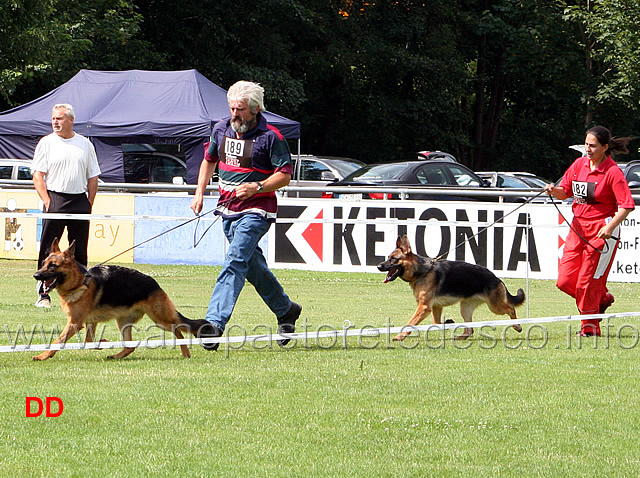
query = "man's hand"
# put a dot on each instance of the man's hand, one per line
(41, 188)
(247, 190)
(196, 204)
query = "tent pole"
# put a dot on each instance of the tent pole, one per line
(298, 166)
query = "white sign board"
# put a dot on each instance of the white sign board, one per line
(511, 239)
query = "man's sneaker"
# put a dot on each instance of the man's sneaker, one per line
(607, 300)
(206, 330)
(287, 323)
(43, 301)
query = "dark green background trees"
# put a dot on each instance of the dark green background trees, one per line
(502, 84)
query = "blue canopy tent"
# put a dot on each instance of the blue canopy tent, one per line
(120, 107)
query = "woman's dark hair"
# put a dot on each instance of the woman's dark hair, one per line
(616, 145)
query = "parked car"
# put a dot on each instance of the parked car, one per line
(14, 169)
(143, 164)
(631, 172)
(17, 171)
(415, 174)
(436, 155)
(517, 180)
(579, 148)
(499, 179)
(148, 164)
(319, 171)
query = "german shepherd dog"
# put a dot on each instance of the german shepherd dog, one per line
(439, 283)
(102, 293)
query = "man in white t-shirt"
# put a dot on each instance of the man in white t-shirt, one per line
(65, 174)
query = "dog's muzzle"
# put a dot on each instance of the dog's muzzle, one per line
(393, 271)
(48, 282)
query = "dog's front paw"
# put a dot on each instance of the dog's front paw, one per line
(517, 328)
(400, 337)
(41, 357)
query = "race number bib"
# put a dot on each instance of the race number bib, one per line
(584, 192)
(237, 152)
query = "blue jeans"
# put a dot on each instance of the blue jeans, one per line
(245, 260)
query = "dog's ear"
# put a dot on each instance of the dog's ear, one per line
(403, 244)
(71, 250)
(54, 246)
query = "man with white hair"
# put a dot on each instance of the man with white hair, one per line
(253, 162)
(65, 174)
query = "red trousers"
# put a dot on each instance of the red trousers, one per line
(583, 271)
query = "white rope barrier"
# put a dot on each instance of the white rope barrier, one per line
(284, 220)
(112, 217)
(348, 330)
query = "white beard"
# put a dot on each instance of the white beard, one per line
(240, 126)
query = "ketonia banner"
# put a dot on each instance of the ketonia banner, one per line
(511, 239)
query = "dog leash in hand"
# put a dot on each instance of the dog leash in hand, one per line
(605, 247)
(195, 230)
(490, 225)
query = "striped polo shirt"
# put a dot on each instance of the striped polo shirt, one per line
(260, 153)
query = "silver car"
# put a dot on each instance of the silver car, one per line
(14, 169)
(319, 171)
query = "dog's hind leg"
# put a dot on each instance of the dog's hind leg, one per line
(512, 314)
(163, 312)
(467, 307)
(178, 333)
(499, 305)
(125, 324)
(69, 331)
(436, 314)
(91, 334)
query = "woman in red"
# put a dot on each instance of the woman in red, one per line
(601, 202)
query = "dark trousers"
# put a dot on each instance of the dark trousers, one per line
(77, 230)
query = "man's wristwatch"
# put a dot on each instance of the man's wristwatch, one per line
(260, 187)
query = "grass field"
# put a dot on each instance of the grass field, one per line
(540, 403)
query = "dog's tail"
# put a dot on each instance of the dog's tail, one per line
(515, 300)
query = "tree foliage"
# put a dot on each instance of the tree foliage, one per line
(24, 36)
(46, 42)
(608, 36)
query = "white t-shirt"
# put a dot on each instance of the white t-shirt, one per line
(67, 163)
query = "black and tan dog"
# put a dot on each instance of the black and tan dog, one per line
(439, 283)
(102, 293)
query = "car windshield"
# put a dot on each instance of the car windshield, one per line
(535, 181)
(463, 178)
(377, 172)
(346, 167)
(512, 182)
